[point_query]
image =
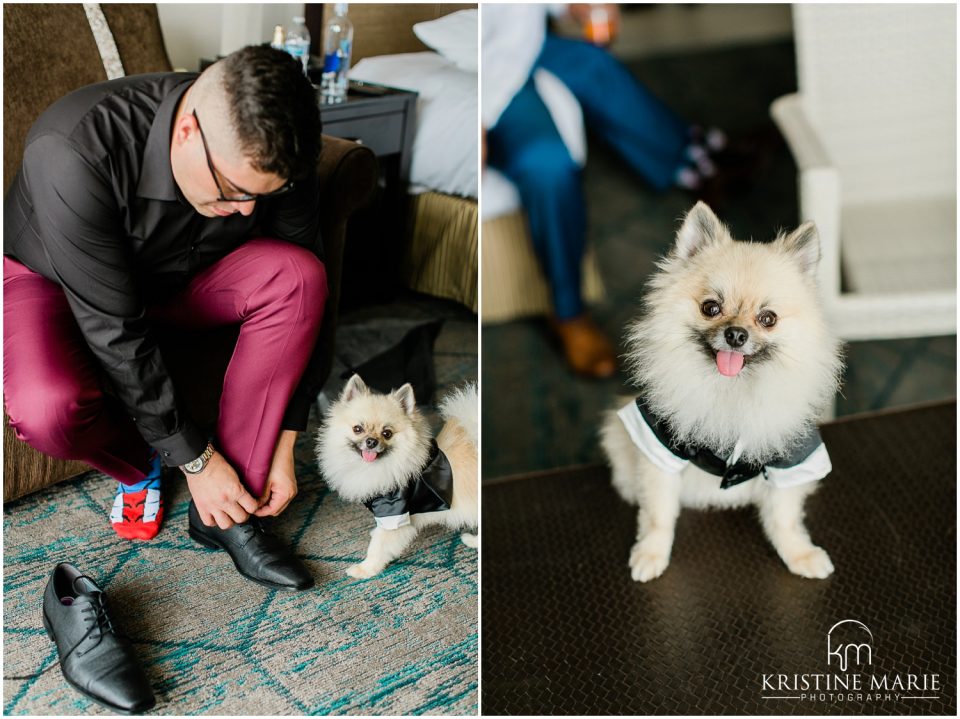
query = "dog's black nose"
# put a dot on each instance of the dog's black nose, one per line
(735, 336)
(371, 442)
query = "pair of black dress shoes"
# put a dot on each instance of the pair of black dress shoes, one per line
(99, 662)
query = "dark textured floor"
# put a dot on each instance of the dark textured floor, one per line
(727, 630)
(536, 414)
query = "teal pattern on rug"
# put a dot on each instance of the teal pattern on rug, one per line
(404, 642)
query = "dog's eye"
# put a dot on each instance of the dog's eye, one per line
(357, 429)
(387, 434)
(710, 308)
(767, 318)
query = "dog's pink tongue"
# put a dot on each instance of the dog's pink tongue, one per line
(368, 455)
(729, 363)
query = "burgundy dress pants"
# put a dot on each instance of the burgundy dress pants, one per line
(274, 290)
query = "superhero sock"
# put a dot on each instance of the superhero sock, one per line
(138, 508)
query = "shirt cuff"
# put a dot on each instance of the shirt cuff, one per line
(298, 410)
(647, 441)
(394, 522)
(182, 447)
(815, 467)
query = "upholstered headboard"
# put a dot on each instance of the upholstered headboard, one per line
(386, 29)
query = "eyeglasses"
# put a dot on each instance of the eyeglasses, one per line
(245, 196)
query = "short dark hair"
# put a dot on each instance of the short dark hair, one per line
(274, 111)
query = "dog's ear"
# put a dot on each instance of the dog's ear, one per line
(406, 399)
(354, 388)
(701, 228)
(804, 244)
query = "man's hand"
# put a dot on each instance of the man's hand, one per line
(600, 21)
(220, 497)
(281, 484)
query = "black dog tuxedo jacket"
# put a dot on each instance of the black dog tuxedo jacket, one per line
(429, 491)
(807, 461)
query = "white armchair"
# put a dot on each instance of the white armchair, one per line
(873, 131)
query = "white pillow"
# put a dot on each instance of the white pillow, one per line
(445, 145)
(454, 36)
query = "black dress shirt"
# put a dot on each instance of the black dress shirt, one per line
(94, 208)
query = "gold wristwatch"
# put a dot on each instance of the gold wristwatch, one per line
(197, 465)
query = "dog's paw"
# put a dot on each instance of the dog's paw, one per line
(470, 540)
(813, 564)
(647, 561)
(361, 571)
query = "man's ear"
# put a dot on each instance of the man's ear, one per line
(184, 128)
(354, 388)
(405, 396)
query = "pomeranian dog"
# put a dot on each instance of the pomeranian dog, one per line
(735, 364)
(376, 449)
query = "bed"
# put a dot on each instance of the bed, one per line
(442, 233)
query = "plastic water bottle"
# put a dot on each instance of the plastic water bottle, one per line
(298, 41)
(337, 45)
(278, 38)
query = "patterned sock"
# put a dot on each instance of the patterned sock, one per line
(138, 508)
(698, 155)
(713, 138)
(688, 178)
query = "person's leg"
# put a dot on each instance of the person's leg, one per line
(276, 292)
(526, 147)
(54, 400)
(650, 136)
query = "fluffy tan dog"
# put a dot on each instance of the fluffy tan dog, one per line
(376, 449)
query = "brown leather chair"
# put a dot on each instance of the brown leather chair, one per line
(70, 59)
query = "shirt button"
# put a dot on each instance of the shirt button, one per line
(166, 453)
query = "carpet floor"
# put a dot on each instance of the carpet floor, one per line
(404, 642)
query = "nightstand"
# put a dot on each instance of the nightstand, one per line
(383, 119)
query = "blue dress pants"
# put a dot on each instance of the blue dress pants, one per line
(525, 146)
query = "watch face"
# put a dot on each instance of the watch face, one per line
(194, 466)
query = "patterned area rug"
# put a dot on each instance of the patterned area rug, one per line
(212, 642)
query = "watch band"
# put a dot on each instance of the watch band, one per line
(197, 465)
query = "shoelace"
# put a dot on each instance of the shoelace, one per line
(101, 620)
(252, 525)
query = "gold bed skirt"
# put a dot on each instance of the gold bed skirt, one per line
(441, 257)
(513, 282)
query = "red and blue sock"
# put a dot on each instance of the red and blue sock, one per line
(138, 508)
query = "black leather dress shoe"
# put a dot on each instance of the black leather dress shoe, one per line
(257, 554)
(94, 659)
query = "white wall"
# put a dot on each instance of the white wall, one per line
(205, 30)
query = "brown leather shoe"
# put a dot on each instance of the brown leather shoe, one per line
(585, 347)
